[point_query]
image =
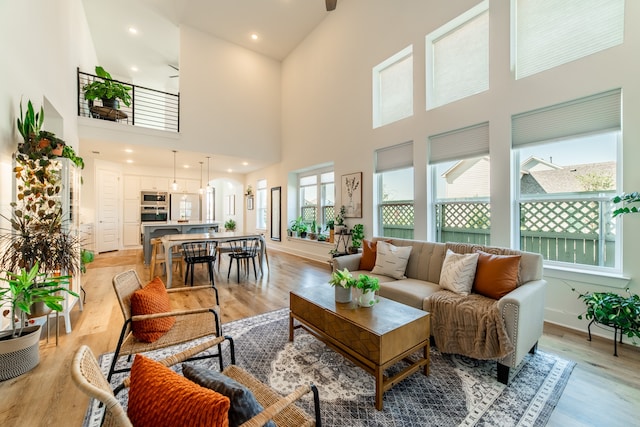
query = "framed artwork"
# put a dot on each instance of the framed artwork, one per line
(276, 221)
(249, 203)
(352, 194)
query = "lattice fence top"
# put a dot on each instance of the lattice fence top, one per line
(573, 217)
(465, 215)
(397, 214)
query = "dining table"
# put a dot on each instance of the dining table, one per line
(171, 240)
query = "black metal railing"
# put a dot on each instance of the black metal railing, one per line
(150, 108)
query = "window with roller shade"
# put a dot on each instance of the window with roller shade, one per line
(458, 57)
(549, 33)
(568, 171)
(393, 88)
(459, 163)
(395, 198)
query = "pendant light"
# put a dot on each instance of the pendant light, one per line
(201, 190)
(208, 186)
(174, 186)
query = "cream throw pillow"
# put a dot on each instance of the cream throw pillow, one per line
(391, 260)
(458, 272)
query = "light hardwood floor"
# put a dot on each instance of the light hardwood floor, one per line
(603, 390)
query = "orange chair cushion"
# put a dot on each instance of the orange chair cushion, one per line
(496, 275)
(160, 397)
(369, 251)
(151, 299)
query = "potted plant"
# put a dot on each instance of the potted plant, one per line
(69, 153)
(313, 235)
(331, 229)
(230, 225)
(24, 289)
(86, 257)
(107, 90)
(299, 227)
(628, 201)
(366, 287)
(342, 281)
(340, 227)
(357, 234)
(36, 142)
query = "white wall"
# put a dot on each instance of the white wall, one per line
(326, 109)
(230, 98)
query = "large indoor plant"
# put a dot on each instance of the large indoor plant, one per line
(36, 142)
(357, 234)
(19, 352)
(107, 90)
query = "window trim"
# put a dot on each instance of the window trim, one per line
(375, 79)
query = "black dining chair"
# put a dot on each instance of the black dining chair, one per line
(243, 251)
(199, 253)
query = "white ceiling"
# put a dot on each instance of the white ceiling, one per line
(279, 24)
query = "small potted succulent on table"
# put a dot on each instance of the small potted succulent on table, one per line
(342, 281)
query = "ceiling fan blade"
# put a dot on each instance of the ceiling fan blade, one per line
(174, 67)
(173, 77)
(331, 4)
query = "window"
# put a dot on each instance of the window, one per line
(393, 88)
(458, 57)
(317, 196)
(548, 33)
(394, 169)
(568, 173)
(261, 204)
(460, 172)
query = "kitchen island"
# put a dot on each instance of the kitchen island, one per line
(150, 230)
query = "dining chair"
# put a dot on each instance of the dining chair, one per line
(199, 253)
(243, 251)
(159, 257)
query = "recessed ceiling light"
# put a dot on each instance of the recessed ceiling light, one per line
(245, 163)
(133, 30)
(128, 150)
(187, 166)
(129, 161)
(230, 170)
(134, 68)
(254, 36)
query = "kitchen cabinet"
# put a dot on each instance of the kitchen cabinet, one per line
(131, 187)
(131, 234)
(154, 183)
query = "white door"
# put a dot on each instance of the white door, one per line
(107, 232)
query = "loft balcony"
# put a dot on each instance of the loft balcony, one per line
(150, 108)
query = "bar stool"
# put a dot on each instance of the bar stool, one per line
(159, 257)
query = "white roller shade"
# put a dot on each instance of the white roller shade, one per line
(396, 157)
(472, 141)
(553, 32)
(581, 116)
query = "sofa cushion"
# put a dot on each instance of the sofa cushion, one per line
(151, 299)
(391, 260)
(244, 405)
(369, 253)
(158, 396)
(412, 292)
(497, 275)
(458, 272)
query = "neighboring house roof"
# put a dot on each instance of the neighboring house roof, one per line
(539, 176)
(565, 180)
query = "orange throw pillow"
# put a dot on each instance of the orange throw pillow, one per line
(496, 275)
(160, 397)
(368, 259)
(151, 299)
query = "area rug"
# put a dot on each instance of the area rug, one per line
(458, 392)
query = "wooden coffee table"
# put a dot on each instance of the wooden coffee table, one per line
(373, 338)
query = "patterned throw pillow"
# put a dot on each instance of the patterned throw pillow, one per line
(153, 298)
(497, 275)
(391, 260)
(160, 397)
(458, 272)
(244, 405)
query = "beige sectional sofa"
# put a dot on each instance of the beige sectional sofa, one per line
(521, 309)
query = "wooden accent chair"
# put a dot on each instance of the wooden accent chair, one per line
(191, 323)
(87, 375)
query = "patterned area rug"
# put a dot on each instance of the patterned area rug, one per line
(458, 392)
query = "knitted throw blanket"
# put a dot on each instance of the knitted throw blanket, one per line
(468, 325)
